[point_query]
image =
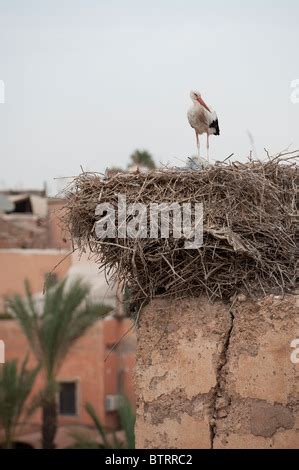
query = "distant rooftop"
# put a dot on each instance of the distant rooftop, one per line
(16, 192)
(5, 204)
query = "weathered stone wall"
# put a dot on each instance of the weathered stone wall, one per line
(210, 376)
(21, 231)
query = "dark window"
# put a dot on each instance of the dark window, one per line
(67, 398)
(24, 206)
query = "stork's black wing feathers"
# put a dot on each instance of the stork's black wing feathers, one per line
(215, 125)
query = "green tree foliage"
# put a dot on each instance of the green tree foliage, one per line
(51, 329)
(142, 158)
(15, 387)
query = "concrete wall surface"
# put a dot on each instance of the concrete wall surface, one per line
(215, 376)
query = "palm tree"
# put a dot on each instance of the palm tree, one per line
(142, 158)
(51, 331)
(15, 387)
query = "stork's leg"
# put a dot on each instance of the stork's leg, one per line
(208, 147)
(198, 144)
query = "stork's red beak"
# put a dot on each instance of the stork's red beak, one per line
(201, 101)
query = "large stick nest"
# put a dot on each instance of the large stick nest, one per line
(249, 239)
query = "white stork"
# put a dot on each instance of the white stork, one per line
(202, 119)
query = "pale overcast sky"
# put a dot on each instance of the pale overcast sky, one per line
(88, 81)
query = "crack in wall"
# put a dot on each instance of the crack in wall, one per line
(215, 394)
(218, 390)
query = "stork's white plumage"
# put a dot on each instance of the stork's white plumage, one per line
(203, 119)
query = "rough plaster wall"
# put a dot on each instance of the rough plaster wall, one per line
(259, 406)
(212, 377)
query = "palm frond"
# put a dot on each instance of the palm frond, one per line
(92, 413)
(65, 316)
(127, 420)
